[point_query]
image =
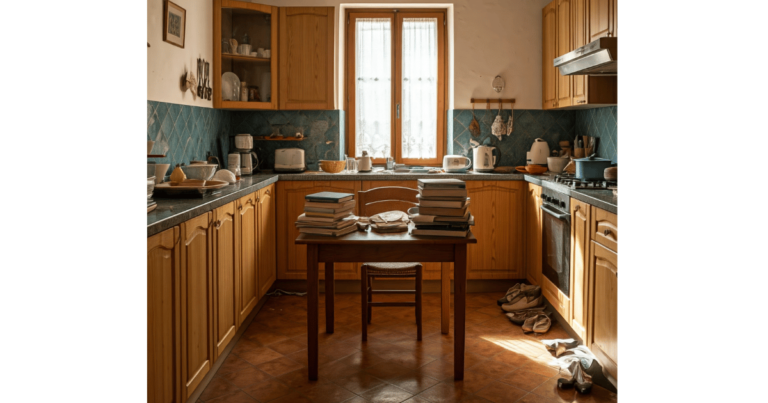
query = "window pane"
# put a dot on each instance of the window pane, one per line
(373, 89)
(419, 113)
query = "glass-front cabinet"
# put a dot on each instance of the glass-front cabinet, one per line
(244, 55)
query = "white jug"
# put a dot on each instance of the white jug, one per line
(483, 158)
(364, 163)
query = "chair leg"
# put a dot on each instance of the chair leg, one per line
(418, 303)
(370, 299)
(364, 302)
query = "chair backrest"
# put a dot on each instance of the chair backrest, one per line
(389, 198)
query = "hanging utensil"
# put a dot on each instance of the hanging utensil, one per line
(498, 128)
(199, 78)
(510, 122)
(474, 126)
(207, 81)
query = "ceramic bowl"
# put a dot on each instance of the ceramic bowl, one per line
(536, 169)
(201, 172)
(150, 186)
(332, 167)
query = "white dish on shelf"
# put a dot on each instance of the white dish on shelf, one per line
(230, 87)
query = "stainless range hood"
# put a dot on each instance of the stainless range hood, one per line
(597, 58)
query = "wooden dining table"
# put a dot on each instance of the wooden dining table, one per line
(369, 246)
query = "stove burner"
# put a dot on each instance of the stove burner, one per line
(572, 182)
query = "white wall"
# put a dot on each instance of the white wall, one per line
(490, 37)
(166, 63)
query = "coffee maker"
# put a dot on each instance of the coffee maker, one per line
(249, 161)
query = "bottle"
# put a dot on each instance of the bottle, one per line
(244, 91)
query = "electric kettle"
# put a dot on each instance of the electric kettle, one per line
(483, 159)
(539, 152)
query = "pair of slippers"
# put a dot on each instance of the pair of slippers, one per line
(520, 296)
(534, 320)
(577, 380)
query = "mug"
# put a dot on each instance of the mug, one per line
(456, 162)
(233, 160)
(351, 164)
(267, 53)
(364, 164)
(244, 49)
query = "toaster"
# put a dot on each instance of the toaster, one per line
(289, 160)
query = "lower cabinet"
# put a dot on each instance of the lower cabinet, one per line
(603, 341)
(248, 276)
(163, 314)
(266, 239)
(580, 219)
(225, 256)
(197, 354)
(292, 258)
(532, 242)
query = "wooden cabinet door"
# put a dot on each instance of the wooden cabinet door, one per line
(266, 239)
(533, 234)
(163, 317)
(564, 45)
(579, 34)
(580, 233)
(292, 258)
(248, 275)
(604, 307)
(549, 73)
(306, 57)
(196, 302)
(601, 21)
(225, 250)
(498, 210)
(605, 228)
(430, 271)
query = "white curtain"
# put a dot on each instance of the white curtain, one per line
(419, 108)
(373, 70)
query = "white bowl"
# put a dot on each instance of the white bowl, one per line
(202, 172)
(557, 164)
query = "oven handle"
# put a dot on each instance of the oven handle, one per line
(559, 216)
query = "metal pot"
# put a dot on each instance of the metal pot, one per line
(591, 168)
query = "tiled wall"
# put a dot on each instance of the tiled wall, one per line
(602, 123)
(323, 133)
(190, 131)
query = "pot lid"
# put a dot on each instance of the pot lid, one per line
(593, 159)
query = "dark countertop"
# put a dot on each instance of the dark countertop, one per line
(172, 212)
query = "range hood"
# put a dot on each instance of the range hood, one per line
(597, 58)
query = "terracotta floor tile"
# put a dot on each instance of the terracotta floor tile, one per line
(597, 395)
(414, 383)
(474, 399)
(287, 346)
(265, 337)
(270, 389)
(443, 392)
(259, 355)
(499, 392)
(217, 387)
(338, 350)
(525, 380)
(302, 358)
(244, 345)
(279, 366)
(359, 382)
(439, 369)
(245, 377)
(386, 394)
(300, 379)
(416, 399)
(388, 370)
(550, 390)
(491, 369)
(294, 397)
(540, 369)
(534, 398)
(472, 382)
(514, 360)
(233, 363)
(328, 393)
(338, 369)
(237, 396)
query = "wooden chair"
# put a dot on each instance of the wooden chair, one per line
(370, 203)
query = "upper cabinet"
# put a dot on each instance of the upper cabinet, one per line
(602, 19)
(245, 48)
(549, 73)
(306, 57)
(564, 45)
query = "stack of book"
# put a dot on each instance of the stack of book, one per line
(328, 213)
(443, 208)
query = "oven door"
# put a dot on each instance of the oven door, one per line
(556, 247)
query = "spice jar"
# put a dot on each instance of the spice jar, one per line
(244, 92)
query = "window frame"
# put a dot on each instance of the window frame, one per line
(442, 84)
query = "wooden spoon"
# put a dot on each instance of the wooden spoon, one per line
(474, 126)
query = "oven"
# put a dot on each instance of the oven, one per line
(556, 238)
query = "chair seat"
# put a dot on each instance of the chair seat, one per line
(392, 269)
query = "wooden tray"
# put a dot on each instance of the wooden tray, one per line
(193, 188)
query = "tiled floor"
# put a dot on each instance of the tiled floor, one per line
(268, 364)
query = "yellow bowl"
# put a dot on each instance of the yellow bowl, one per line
(332, 167)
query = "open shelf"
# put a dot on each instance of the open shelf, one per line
(245, 105)
(244, 58)
(278, 138)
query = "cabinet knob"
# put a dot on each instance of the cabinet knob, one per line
(268, 191)
(218, 224)
(576, 208)
(607, 232)
(239, 208)
(257, 199)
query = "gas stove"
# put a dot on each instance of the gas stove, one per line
(573, 182)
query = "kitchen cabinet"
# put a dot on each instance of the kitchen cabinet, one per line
(580, 281)
(589, 90)
(602, 19)
(549, 74)
(564, 45)
(605, 229)
(603, 341)
(430, 271)
(256, 23)
(247, 276)
(267, 247)
(163, 317)
(292, 258)
(533, 223)
(197, 355)
(498, 210)
(306, 58)
(225, 255)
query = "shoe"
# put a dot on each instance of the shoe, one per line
(584, 388)
(518, 317)
(564, 383)
(542, 324)
(528, 324)
(513, 290)
(525, 299)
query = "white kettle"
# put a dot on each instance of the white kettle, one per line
(483, 159)
(539, 152)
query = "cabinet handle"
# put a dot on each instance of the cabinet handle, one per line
(239, 208)
(607, 232)
(218, 224)
(576, 208)
(268, 191)
(257, 199)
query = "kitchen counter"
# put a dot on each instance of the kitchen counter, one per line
(172, 212)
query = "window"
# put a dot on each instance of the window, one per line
(396, 86)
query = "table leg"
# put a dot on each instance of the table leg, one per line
(364, 299)
(445, 297)
(313, 289)
(329, 297)
(459, 309)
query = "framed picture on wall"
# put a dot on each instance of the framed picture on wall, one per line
(174, 24)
